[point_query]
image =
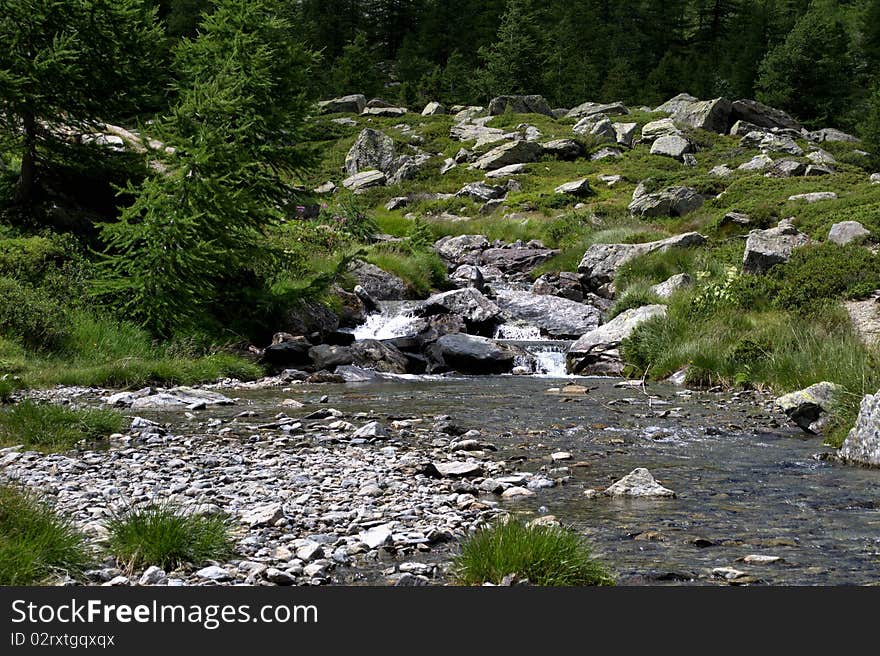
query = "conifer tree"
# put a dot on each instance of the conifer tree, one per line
(234, 128)
(67, 65)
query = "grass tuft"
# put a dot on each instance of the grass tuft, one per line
(168, 536)
(545, 555)
(50, 427)
(35, 543)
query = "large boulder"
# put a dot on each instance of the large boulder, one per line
(663, 127)
(848, 232)
(672, 201)
(557, 318)
(365, 180)
(517, 260)
(588, 109)
(862, 445)
(771, 142)
(598, 351)
(433, 109)
(379, 355)
(565, 284)
(575, 188)
(767, 248)
(710, 115)
(289, 353)
(353, 104)
(478, 312)
(515, 152)
(307, 317)
(326, 356)
(481, 192)
(672, 145)
(379, 284)
(519, 105)
(601, 262)
(480, 134)
(763, 116)
(385, 112)
(625, 133)
(470, 354)
(598, 126)
(565, 149)
(809, 408)
(371, 150)
(464, 249)
(677, 104)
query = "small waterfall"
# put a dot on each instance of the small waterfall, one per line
(395, 319)
(549, 353)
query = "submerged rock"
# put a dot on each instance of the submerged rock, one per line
(638, 483)
(809, 408)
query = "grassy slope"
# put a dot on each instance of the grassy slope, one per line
(722, 343)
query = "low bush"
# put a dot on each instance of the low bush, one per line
(30, 316)
(167, 536)
(545, 555)
(50, 427)
(36, 543)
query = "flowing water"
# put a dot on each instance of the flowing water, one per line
(744, 486)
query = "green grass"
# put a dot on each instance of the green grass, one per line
(421, 271)
(545, 555)
(35, 543)
(50, 427)
(168, 536)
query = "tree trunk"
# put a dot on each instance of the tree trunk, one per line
(24, 192)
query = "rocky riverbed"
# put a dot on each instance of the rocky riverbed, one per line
(376, 482)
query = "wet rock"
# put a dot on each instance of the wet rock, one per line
(515, 152)
(516, 260)
(809, 408)
(597, 352)
(519, 105)
(557, 318)
(564, 284)
(517, 492)
(638, 483)
(353, 104)
(862, 445)
(379, 355)
(329, 357)
(672, 201)
(307, 317)
(601, 262)
(463, 249)
(469, 304)
(767, 248)
(848, 232)
(761, 559)
(728, 573)
(470, 354)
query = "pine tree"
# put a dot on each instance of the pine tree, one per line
(235, 127)
(513, 61)
(68, 65)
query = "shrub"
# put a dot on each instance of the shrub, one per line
(421, 271)
(545, 555)
(826, 271)
(28, 315)
(635, 296)
(52, 427)
(36, 543)
(168, 536)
